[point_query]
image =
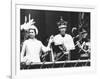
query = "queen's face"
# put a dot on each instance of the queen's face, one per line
(62, 31)
(32, 33)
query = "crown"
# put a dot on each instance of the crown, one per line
(62, 22)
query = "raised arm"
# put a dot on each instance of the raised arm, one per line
(44, 48)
